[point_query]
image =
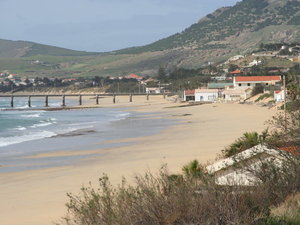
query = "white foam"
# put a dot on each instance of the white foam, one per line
(41, 125)
(20, 128)
(6, 141)
(36, 115)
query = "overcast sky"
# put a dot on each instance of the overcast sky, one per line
(100, 25)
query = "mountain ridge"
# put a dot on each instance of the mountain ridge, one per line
(226, 32)
(15, 49)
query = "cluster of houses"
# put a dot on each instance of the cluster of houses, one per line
(142, 81)
(238, 90)
(7, 79)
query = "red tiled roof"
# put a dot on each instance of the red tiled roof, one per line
(135, 76)
(236, 72)
(257, 78)
(189, 92)
(291, 149)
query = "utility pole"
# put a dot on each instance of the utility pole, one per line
(139, 87)
(285, 95)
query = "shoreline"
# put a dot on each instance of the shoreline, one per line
(201, 133)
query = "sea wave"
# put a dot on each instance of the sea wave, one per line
(20, 128)
(35, 115)
(6, 141)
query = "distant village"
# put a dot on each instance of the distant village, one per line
(235, 80)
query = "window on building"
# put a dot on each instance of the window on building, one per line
(248, 84)
(267, 84)
(240, 85)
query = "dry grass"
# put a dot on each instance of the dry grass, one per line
(187, 199)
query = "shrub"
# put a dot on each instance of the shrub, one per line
(257, 90)
(263, 97)
(161, 200)
(248, 140)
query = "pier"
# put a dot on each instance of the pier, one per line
(79, 96)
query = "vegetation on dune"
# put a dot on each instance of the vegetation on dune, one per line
(248, 140)
(264, 96)
(184, 199)
(193, 197)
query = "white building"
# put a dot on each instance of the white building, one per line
(206, 95)
(252, 81)
(154, 90)
(279, 96)
(255, 63)
(201, 95)
(235, 95)
(235, 170)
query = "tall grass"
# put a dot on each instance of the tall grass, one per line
(185, 199)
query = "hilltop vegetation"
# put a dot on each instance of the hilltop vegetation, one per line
(213, 31)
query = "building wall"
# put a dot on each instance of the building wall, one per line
(206, 97)
(279, 97)
(253, 84)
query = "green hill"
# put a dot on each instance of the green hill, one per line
(228, 31)
(15, 49)
(228, 27)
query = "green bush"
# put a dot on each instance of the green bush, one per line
(263, 97)
(248, 140)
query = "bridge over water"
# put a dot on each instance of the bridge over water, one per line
(79, 96)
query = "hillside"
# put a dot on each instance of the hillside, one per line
(15, 49)
(228, 31)
(224, 27)
(233, 30)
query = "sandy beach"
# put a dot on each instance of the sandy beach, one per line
(38, 197)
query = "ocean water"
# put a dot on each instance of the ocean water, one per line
(28, 132)
(27, 125)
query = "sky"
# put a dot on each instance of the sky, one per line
(100, 25)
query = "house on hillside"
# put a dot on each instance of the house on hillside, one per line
(252, 81)
(235, 170)
(236, 72)
(134, 76)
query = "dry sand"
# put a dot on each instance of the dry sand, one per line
(38, 197)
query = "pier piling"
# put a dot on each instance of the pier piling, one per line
(29, 101)
(80, 100)
(63, 100)
(46, 101)
(114, 99)
(97, 99)
(12, 101)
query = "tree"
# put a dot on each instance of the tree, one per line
(162, 75)
(232, 68)
(248, 140)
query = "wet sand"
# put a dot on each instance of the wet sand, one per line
(38, 197)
